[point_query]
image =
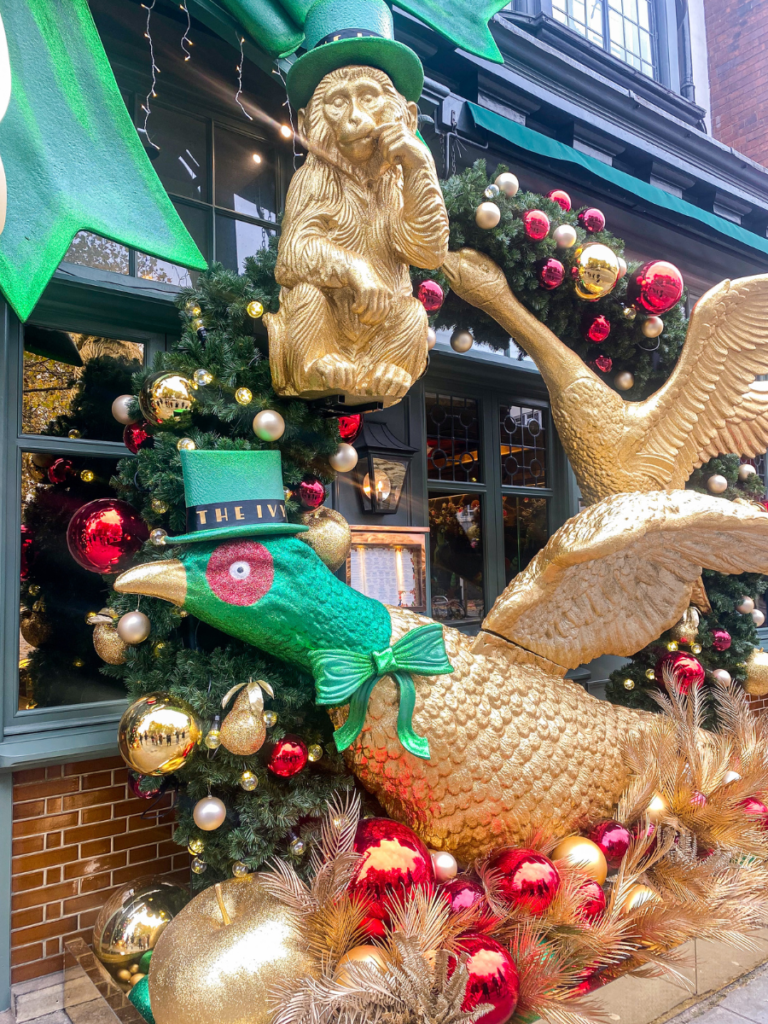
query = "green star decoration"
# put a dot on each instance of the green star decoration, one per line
(72, 157)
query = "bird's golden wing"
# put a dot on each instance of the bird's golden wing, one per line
(617, 575)
(709, 405)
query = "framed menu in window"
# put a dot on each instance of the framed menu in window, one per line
(389, 564)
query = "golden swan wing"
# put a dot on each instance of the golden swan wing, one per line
(618, 574)
(708, 406)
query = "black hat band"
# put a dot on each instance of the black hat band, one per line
(252, 512)
(348, 33)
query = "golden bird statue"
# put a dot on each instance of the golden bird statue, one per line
(710, 405)
(512, 744)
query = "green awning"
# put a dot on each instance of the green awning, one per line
(535, 142)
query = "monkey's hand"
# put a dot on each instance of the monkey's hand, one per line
(398, 145)
(372, 297)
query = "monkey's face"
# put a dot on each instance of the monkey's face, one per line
(354, 109)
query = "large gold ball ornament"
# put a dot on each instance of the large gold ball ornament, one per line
(209, 813)
(329, 535)
(652, 326)
(221, 956)
(431, 339)
(756, 682)
(637, 895)
(133, 627)
(157, 734)
(746, 471)
(167, 398)
(268, 425)
(565, 236)
(34, 628)
(580, 852)
(487, 215)
(462, 341)
(344, 459)
(746, 605)
(133, 919)
(717, 484)
(508, 183)
(372, 956)
(121, 410)
(597, 271)
(624, 381)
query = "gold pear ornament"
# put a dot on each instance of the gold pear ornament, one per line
(243, 731)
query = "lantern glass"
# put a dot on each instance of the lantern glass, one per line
(382, 483)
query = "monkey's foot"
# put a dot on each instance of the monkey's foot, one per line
(387, 379)
(328, 374)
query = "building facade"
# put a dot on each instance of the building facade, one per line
(613, 100)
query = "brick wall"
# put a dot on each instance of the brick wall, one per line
(77, 833)
(737, 41)
(759, 704)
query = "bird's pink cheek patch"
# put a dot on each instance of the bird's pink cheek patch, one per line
(240, 572)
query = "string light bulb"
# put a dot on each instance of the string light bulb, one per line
(286, 131)
(256, 158)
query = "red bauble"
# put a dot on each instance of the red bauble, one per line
(393, 861)
(311, 492)
(136, 436)
(721, 639)
(754, 808)
(430, 295)
(613, 838)
(596, 328)
(655, 288)
(350, 427)
(592, 220)
(59, 471)
(288, 756)
(104, 535)
(550, 272)
(27, 539)
(462, 894)
(492, 979)
(134, 782)
(536, 224)
(603, 364)
(594, 905)
(527, 879)
(562, 199)
(686, 669)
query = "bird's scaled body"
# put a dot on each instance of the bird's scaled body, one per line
(512, 743)
(710, 405)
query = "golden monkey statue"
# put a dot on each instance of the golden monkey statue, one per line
(364, 206)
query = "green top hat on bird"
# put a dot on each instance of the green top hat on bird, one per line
(244, 569)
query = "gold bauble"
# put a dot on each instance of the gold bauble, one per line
(687, 628)
(344, 459)
(133, 919)
(508, 183)
(329, 535)
(624, 380)
(462, 341)
(565, 236)
(370, 955)
(580, 852)
(223, 953)
(255, 309)
(243, 731)
(34, 628)
(431, 338)
(167, 397)
(652, 326)
(637, 895)
(756, 682)
(186, 444)
(87, 476)
(243, 396)
(717, 484)
(157, 733)
(107, 643)
(487, 215)
(597, 269)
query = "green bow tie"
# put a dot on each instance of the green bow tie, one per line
(342, 676)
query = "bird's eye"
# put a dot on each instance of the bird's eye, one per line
(240, 570)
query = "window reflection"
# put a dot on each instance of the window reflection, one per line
(453, 438)
(245, 175)
(89, 250)
(456, 558)
(236, 240)
(182, 159)
(525, 531)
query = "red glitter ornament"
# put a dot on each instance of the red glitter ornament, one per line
(563, 200)
(430, 295)
(288, 757)
(754, 808)
(59, 471)
(311, 492)
(594, 904)
(135, 436)
(104, 535)
(686, 670)
(350, 427)
(464, 893)
(592, 220)
(393, 861)
(551, 272)
(134, 782)
(492, 979)
(27, 539)
(613, 838)
(527, 879)
(536, 224)
(655, 288)
(721, 639)
(602, 363)
(596, 328)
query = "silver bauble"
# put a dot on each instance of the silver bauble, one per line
(120, 410)
(209, 813)
(344, 459)
(268, 425)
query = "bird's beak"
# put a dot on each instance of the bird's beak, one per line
(166, 580)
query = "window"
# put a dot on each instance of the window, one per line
(623, 27)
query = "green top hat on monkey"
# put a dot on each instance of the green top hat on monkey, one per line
(245, 570)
